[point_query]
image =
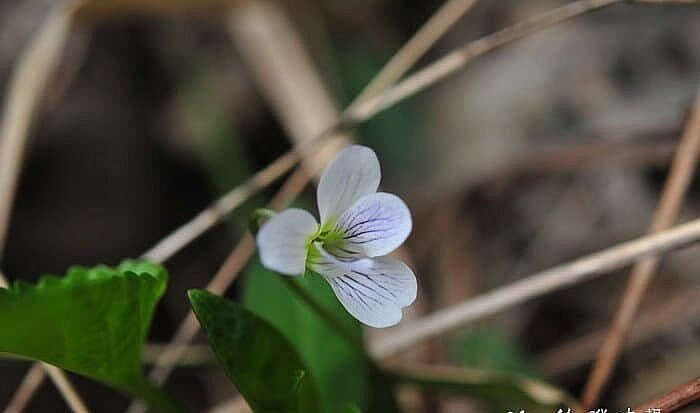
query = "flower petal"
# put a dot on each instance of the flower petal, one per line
(373, 290)
(353, 174)
(375, 225)
(282, 241)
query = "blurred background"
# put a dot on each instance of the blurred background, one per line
(542, 151)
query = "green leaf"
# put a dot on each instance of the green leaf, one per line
(383, 392)
(340, 371)
(218, 143)
(351, 409)
(396, 134)
(259, 360)
(491, 350)
(93, 321)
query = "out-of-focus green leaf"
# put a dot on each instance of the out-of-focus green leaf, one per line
(489, 349)
(507, 367)
(217, 140)
(396, 133)
(261, 363)
(340, 371)
(382, 396)
(93, 321)
(351, 409)
(502, 392)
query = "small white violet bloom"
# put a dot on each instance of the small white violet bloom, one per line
(359, 227)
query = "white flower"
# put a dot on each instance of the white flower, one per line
(359, 226)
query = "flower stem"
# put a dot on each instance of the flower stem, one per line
(351, 338)
(258, 217)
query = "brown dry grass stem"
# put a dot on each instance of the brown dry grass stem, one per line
(668, 315)
(681, 173)
(674, 400)
(30, 383)
(415, 48)
(33, 379)
(194, 355)
(26, 89)
(211, 216)
(453, 61)
(576, 271)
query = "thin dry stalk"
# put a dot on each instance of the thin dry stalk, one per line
(676, 399)
(30, 383)
(682, 169)
(285, 74)
(194, 354)
(416, 47)
(64, 386)
(535, 285)
(27, 84)
(668, 315)
(206, 219)
(453, 61)
(235, 405)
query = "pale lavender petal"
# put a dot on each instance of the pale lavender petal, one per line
(373, 290)
(282, 241)
(353, 174)
(375, 225)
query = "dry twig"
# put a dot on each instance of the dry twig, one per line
(30, 383)
(535, 285)
(670, 314)
(194, 354)
(27, 86)
(407, 56)
(676, 399)
(682, 170)
(453, 61)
